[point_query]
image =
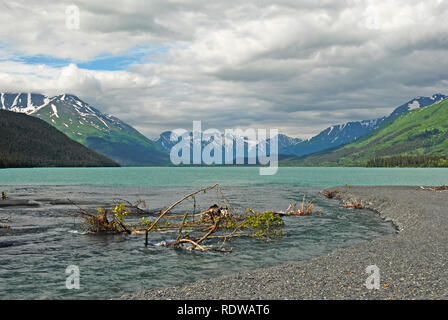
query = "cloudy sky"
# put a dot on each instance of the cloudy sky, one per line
(295, 65)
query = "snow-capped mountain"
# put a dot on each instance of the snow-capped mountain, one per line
(348, 132)
(164, 141)
(80, 121)
(333, 136)
(208, 140)
(285, 141)
(44, 106)
(23, 102)
(249, 146)
(418, 102)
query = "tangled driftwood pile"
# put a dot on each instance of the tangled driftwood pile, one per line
(216, 225)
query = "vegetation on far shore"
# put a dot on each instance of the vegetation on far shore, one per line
(408, 162)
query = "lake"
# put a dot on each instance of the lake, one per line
(46, 239)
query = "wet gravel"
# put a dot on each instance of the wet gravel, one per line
(412, 263)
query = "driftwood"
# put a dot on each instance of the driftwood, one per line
(101, 223)
(135, 207)
(330, 194)
(164, 212)
(4, 220)
(195, 230)
(355, 205)
(196, 242)
(307, 208)
(438, 188)
(209, 221)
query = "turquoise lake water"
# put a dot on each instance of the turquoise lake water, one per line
(166, 177)
(45, 239)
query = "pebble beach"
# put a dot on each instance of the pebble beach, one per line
(412, 263)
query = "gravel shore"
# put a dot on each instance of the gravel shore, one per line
(412, 263)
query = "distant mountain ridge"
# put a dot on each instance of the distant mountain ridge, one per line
(164, 141)
(27, 141)
(80, 121)
(333, 136)
(421, 131)
(283, 141)
(329, 138)
(337, 135)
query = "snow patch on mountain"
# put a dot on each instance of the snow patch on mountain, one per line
(55, 111)
(22, 102)
(415, 104)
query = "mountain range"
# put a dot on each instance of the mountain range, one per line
(113, 138)
(331, 137)
(283, 142)
(341, 134)
(421, 131)
(83, 123)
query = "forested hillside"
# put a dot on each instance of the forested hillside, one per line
(27, 141)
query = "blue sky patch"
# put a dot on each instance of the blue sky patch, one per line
(107, 62)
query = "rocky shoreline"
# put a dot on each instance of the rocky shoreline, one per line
(412, 264)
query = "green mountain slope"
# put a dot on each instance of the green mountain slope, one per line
(100, 132)
(418, 132)
(30, 142)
